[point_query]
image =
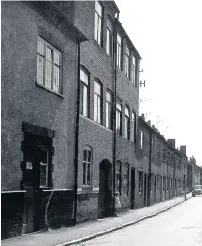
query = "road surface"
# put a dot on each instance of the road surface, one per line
(180, 226)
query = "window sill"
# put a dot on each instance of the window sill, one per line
(45, 88)
(87, 118)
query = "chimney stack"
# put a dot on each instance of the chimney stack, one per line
(183, 149)
(171, 142)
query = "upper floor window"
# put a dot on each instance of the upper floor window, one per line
(109, 44)
(141, 139)
(109, 110)
(133, 127)
(97, 102)
(127, 62)
(49, 69)
(87, 166)
(98, 22)
(134, 71)
(119, 117)
(127, 123)
(84, 92)
(119, 48)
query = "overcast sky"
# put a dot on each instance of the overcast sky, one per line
(167, 34)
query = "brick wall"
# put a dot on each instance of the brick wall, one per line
(12, 214)
(59, 211)
(23, 100)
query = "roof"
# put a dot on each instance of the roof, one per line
(129, 40)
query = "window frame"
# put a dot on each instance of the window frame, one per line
(133, 128)
(87, 168)
(134, 74)
(87, 87)
(98, 32)
(141, 139)
(119, 50)
(109, 110)
(119, 115)
(109, 38)
(127, 123)
(127, 62)
(97, 117)
(53, 64)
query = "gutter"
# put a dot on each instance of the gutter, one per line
(149, 171)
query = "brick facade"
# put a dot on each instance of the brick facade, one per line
(33, 115)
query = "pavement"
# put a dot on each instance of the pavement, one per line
(92, 229)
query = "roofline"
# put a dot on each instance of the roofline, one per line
(131, 43)
(162, 137)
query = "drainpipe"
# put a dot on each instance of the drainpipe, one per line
(114, 115)
(77, 133)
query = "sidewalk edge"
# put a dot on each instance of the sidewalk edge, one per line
(101, 233)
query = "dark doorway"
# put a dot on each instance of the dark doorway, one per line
(161, 187)
(36, 176)
(132, 198)
(105, 190)
(145, 190)
(155, 189)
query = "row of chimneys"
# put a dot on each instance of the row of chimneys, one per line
(170, 141)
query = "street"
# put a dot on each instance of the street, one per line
(182, 225)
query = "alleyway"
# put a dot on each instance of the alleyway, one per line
(182, 225)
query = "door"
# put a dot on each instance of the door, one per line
(105, 193)
(35, 177)
(132, 203)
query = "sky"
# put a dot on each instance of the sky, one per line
(168, 36)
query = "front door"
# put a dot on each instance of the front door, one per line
(155, 189)
(132, 204)
(35, 178)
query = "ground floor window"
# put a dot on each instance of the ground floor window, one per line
(87, 166)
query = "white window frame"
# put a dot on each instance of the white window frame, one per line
(127, 123)
(109, 42)
(84, 92)
(133, 128)
(50, 63)
(109, 108)
(42, 164)
(134, 80)
(119, 117)
(127, 62)
(141, 139)
(87, 167)
(98, 22)
(119, 50)
(97, 101)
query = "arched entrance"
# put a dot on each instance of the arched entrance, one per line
(105, 189)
